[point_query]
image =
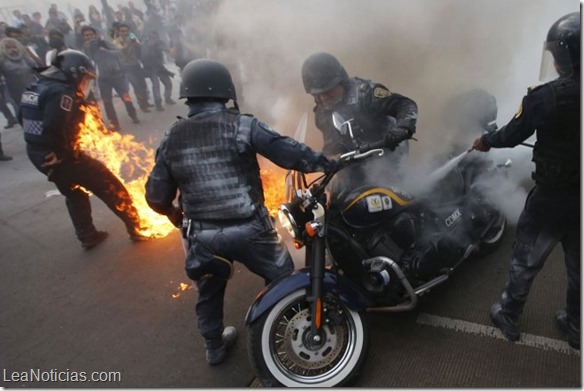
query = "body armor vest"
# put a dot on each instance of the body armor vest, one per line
(32, 115)
(557, 151)
(32, 106)
(217, 182)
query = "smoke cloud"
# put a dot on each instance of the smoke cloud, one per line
(426, 50)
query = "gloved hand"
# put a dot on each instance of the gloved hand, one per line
(176, 217)
(480, 145)
(51, 160)
(396, 136)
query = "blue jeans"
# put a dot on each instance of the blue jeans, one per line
(120, 84)
(256, 244)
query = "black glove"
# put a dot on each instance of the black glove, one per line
(176, 217)
(396, 136)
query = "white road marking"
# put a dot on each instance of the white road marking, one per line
(531, 340)
(52, 193)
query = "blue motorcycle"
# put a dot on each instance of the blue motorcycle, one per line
(371, 248)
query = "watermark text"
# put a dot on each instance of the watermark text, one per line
(37, 375)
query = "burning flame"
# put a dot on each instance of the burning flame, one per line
(274, 184)
(181, 288)
(129, 160)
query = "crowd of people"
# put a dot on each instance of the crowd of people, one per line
(134, 50)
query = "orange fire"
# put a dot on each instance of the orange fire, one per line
(274, 184)
(129, 160)
(181, 288)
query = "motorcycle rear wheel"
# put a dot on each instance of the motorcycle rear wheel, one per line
(281, 353)
(493, 238)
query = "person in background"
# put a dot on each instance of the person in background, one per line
(131, 49)
(552, 210)
(17, 33)
(56, 45)
(153, 52)
(110, 75)
(17, 67)
(94, 19)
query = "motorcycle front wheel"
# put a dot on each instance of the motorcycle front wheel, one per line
(283, 353)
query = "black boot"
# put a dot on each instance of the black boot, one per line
(93, 239)
(3, 157)
(11, 124)
(569, 328)
(505, 323)
(217, 350)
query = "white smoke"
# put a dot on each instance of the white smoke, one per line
(426, 50)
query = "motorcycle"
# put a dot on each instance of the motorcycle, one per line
(371, 248)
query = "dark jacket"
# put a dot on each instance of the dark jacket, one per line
(370, 105)
(552, 111)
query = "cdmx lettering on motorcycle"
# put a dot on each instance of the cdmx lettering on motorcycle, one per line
(453, 218)
(367, 248)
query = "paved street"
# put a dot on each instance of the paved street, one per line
(112, 309)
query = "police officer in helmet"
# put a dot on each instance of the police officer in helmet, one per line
(377, 112)
(50, 115)
(552, 209)
(210, 157)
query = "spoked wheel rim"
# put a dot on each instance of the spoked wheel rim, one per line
(296, 358)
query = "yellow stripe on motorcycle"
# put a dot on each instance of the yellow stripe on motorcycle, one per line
(400, 201)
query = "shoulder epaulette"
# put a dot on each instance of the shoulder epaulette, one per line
(534, 88)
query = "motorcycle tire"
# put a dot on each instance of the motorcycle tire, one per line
(281, 354)
(493, 238)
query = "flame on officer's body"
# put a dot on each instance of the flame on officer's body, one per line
(129, 160)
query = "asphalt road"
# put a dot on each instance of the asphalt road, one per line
(111, 310)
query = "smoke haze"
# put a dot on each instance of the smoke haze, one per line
(428, 50)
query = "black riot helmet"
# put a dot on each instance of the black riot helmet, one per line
(204, 78)
(322, 72)
(563, 42)
(77, 68)
(74, 64)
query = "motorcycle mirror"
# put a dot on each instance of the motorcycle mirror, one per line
(342, 125)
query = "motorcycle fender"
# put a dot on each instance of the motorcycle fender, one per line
(349, 293)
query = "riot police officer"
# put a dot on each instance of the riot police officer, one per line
(211, 158)
(552, 209)
(377, 112)
(50, 114)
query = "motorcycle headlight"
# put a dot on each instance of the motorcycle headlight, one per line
(292, 218)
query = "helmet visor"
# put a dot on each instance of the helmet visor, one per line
(86, 85)
(555, 61)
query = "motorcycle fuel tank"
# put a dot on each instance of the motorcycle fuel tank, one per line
(368, 206)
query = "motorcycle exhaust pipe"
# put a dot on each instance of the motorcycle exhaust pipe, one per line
(413, 298)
